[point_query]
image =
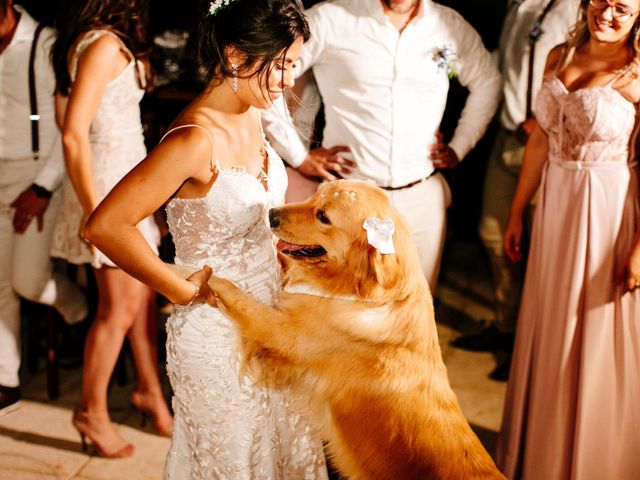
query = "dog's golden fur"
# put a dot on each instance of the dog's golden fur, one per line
(365, 334)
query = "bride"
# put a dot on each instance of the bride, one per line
(219, 177)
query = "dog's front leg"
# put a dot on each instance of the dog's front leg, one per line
(255, 319)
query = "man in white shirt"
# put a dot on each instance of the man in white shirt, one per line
(531, 29)
(30, 174)
(383, 69)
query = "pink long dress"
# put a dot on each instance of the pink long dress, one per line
(573, 401)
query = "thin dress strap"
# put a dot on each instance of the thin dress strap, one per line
(213, 162)
(621, 73)
(93, 35)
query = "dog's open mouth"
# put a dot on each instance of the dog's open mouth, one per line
(311, 251)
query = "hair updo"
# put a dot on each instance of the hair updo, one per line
(259, 29)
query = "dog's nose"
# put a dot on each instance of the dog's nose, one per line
(274, 218)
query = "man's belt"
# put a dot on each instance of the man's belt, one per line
(409, 185)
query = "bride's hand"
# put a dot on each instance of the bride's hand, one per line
(203, 293)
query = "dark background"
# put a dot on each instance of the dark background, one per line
(466, 180)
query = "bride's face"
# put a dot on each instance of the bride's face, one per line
(262, 90)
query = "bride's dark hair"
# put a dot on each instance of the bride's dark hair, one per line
(260, 29)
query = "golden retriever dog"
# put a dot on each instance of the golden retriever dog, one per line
(360, 325)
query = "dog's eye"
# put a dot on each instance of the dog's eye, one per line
(322, 216)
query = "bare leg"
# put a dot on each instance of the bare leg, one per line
(118, 307)
(143, 337)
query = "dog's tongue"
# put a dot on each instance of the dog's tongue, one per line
(290, 247)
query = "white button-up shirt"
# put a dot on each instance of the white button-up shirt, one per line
(384, 93)
(515, 48)
(15, 126)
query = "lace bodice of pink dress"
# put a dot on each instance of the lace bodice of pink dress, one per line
(586, 125)
(227, 427)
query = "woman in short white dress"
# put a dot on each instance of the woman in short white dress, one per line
(99, 62)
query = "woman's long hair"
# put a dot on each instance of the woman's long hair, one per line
(579, 35)
(128, 19)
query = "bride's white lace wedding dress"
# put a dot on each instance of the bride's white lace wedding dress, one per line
(226, 427)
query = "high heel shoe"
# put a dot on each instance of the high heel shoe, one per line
(138, 400)
(87, 426)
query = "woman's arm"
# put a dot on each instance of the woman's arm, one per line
(98, 64)
(535, 157)
(184, 156)
(630, 277)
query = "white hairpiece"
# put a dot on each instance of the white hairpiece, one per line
(217, 5)
(380, 234)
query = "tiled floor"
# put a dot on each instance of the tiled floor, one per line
(37, 440)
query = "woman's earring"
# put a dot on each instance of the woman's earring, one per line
(234, 71)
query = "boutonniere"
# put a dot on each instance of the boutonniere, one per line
(446, 60)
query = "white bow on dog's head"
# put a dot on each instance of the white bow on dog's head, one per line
(380, 234)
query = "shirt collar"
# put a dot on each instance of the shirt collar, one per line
(26, 26)
(377, 12)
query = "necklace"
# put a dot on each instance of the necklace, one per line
(262, 176)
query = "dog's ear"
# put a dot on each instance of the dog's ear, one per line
(373, 270)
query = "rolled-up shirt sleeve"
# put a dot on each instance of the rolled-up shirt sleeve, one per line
(282, 134)
(277, 121)
(477, 72)
(52, 162)
(52, 171)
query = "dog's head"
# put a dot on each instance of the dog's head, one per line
(324, 238)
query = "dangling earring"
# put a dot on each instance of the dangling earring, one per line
(234, 71)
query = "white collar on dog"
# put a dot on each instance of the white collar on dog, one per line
(309, 290)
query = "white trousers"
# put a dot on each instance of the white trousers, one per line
(424, 206)
(26, 269)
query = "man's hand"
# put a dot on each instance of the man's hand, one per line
(442, 155)
(27, 207)
(321, 162)
(524, 130)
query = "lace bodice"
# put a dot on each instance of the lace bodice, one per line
(589, 124)
(228, 229)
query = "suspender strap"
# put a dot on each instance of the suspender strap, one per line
(33, 100)
(534, 35)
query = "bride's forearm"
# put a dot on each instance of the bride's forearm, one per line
(128, 249)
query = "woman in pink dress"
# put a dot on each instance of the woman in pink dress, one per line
(573, 400)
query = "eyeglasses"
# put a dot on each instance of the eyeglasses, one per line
(620, 13)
